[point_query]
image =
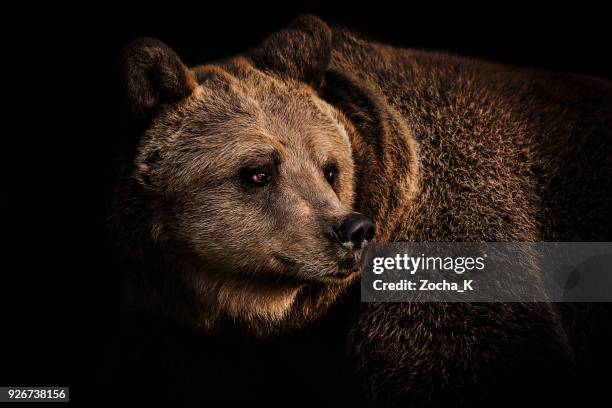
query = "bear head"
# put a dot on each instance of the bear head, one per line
(237, 205)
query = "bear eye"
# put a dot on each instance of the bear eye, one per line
(259, 176)
(331, 172)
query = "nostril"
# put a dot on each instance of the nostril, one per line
(355, 228)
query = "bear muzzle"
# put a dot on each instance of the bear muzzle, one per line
(353, 231)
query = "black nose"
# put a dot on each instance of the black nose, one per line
(355, 228)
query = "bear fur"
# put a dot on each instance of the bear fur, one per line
(430, 146)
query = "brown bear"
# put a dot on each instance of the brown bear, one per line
(257, 181)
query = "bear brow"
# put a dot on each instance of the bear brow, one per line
(260, 157)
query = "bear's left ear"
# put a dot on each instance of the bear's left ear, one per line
(153, 76)
(301, 51)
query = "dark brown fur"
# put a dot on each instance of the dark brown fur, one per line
(504, 155)
(444, 149)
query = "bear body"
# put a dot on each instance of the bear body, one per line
(429, 146)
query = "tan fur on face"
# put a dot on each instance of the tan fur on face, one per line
(225, 244)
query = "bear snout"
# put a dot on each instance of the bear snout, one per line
(353, 230)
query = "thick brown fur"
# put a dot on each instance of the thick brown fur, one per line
(432, 147)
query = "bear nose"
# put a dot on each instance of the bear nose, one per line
(355, 228)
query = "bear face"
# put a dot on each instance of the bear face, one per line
(256, 180)
(241, 190)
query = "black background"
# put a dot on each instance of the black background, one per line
(63, 122)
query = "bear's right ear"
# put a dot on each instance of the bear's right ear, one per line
(301, 51)
(153, 76)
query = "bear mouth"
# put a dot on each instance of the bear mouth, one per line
(340, 276)
(346, 269)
